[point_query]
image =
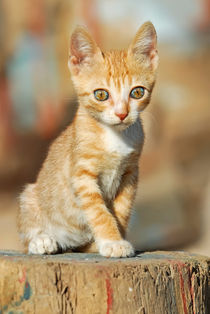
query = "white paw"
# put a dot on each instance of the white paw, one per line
(120, 248)
(42, 244)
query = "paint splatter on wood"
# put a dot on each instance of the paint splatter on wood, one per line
(109, 295)
(174, 282)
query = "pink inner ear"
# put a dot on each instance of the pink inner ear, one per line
(148, 46)
(145, 41)
(82, 47)
(76, 53)
(153, 53)
(74, 60)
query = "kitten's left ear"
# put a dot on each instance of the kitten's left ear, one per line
(144, 45)
(82, 49)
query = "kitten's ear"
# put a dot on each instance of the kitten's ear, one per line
(144, 45)
(82, 48)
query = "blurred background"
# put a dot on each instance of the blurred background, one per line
(37, 101)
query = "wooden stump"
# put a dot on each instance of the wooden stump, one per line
(150, 283)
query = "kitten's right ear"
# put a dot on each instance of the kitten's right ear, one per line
(82, 48)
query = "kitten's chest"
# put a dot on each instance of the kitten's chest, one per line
(123, 143)
(118, 155)
(111, 174)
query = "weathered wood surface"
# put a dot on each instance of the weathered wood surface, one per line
(150, 283)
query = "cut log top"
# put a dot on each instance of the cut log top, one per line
(151, 282)
(94, 258)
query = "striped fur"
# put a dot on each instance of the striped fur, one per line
(83, 195)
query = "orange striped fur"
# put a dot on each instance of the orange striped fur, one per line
(84, 193)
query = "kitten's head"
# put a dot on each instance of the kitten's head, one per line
(114, 86)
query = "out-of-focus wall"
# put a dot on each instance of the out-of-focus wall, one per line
(37, 100)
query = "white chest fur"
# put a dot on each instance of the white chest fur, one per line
(118, 145)
(124, 142)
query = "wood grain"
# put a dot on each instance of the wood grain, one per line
(149, 283)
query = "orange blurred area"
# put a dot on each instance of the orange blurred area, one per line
(37, 101)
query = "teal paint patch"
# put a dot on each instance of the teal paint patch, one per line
(5, 307)
(27, 293)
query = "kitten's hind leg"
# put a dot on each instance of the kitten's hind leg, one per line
(32, 225)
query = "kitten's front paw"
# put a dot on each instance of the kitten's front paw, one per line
(120, 248)
(42, 244)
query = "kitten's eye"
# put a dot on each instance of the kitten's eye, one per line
(101, 94)
(137, 92)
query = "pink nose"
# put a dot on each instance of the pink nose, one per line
(122, 116)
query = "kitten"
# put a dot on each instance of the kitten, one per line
(84, 193)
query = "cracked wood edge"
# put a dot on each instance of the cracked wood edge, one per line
(153, 283)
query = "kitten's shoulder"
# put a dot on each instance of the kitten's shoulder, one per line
(63, 142)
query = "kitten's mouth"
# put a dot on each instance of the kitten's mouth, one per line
(121, 125)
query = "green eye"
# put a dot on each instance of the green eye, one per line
(137, 92)
(101, 94)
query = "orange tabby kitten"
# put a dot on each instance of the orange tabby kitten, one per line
(86, 187)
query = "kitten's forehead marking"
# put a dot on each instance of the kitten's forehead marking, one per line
(117, 68)
(118, 77)
(121, 93)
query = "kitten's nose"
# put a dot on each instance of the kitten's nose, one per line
(122, 116)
